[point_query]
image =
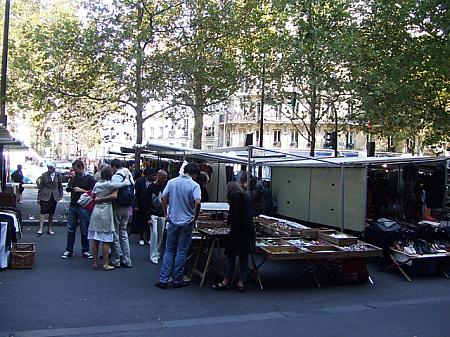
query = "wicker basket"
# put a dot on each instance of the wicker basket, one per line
(22, 255)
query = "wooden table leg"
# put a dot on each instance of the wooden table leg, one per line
(197, 257)
(400, 268)
(442, 270)
(255, 270)
(208, 261)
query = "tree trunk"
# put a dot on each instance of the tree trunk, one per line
(139, 129)
(198, 126)
(197, 108)
(140, 106)
(312, 123)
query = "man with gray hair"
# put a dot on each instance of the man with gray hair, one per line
(50, 191)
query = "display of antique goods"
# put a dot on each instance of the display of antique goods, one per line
(422, 247)
(358, 247)
(215, 231)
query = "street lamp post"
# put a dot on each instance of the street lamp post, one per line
(3, 119)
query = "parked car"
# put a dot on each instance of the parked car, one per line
(64, 169)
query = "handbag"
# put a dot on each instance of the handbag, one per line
(87, 201)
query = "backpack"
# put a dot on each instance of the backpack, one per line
(157, 205)
(125, 195)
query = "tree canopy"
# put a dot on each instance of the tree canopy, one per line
(86, 59)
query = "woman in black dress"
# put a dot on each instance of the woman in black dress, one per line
(241, 239)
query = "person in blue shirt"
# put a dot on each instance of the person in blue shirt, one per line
(181, 202)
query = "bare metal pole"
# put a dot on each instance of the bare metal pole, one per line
(3, 119)
(249, 161)
(5, 61)
(342, 198)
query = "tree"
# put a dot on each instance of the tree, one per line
(44, 45)
(315, 63)
(205, 67)
(402, 70)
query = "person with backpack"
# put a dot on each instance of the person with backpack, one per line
(120, 249)
(50, 191)
(157, 220)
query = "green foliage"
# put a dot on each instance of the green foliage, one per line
(388, 59)
(402, 69)
(204, 67)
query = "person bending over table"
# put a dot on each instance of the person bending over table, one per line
(241, 239)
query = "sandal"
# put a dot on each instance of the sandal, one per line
(39, 232)
(108, 267)
(50, 232)
(220, 286)
(239, 288)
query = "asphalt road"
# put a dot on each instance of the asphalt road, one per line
(30, 208)
(67, 298)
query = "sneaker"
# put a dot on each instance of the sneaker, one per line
(161, 285)
(154, 261)
(141, 242)
(66, 255)
(180, 285)
(87, 255)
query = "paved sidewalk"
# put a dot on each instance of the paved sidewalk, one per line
(67, 298)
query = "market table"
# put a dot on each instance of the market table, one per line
(213, 239)
(314, 256)
(401, 259)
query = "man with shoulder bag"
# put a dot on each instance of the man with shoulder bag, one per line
(80, 182)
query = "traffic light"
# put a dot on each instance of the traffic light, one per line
(331, 140)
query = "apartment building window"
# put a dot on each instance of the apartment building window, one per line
(410, 144)
(349, 142)
(151, 132)
(277, 138)
(294, 138)
(185, 127)
(161, 132)
(172, 132)
(241, 137)
(278, 111)
(295, 110)
(258, 109)
(256, 140)
(391, 145)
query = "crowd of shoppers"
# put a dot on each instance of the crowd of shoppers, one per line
(162, 210)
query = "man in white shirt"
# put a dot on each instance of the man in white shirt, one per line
(183, 196)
